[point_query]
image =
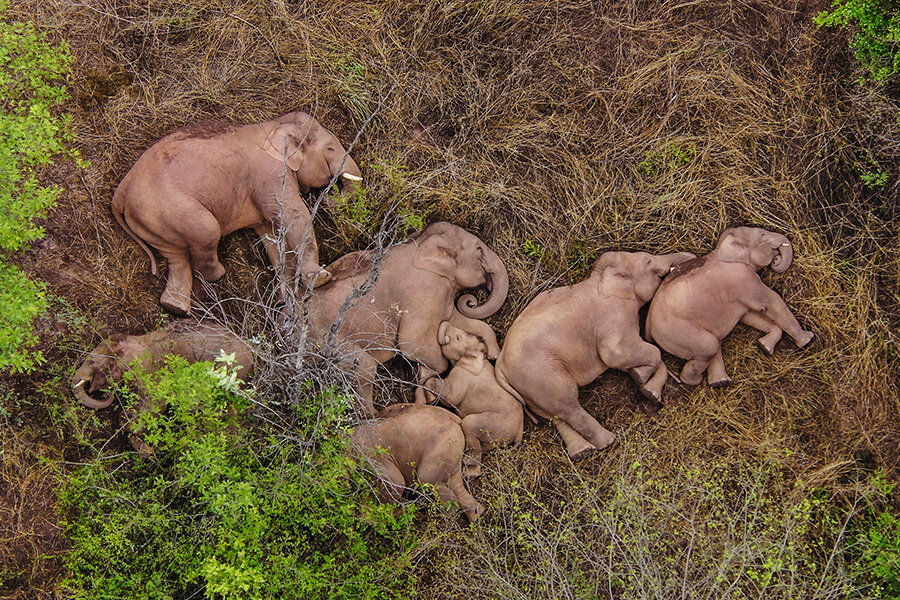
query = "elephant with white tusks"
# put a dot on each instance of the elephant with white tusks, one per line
(703, 299)
(207, 180)
(416, 284)
(114, 356)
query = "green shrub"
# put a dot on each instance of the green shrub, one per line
(32, 72)
(230, 509)
(876, 26)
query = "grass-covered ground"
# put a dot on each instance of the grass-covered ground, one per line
(555, 131)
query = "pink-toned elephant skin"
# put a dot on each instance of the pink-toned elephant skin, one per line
(703, 299)
(401, 311)
(416, 442)
(207, 180)
(193, 340)
(491, 416)
(566, 337)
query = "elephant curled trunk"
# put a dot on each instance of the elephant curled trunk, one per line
(82, 379)
(497, 282)
(785, 255)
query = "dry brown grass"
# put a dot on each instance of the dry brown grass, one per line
(530, 121)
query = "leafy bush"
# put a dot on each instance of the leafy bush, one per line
(32, 71)
(230, 509)
(877, 32)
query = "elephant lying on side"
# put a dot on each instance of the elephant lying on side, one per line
(417, 282)
(207, 180)
(703, 299)
(491, 416)
(416, 442)
(566, 337)
(195, 341)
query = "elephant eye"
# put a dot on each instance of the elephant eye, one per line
(331, 149)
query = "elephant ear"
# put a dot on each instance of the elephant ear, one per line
(473, 363)
(436, 256)
(733, 246)
(286, 143)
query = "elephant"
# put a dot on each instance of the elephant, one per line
(416, 442)
(703, 299)
(207, 180)
(190, 339)
(491, 416)
(401, 311)
(566, 337)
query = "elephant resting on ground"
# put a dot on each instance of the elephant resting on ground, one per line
(566, 337)
(491, 416)
(193, 340)
(703, 299)
(416, 442)
(414, 291)
(207, 180)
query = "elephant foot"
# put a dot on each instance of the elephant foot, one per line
(143, 449)
(318, 278)
(583, 453)
(637, 376)
(691, 378)
(649, 405)
(720, 383)
(178, 306)
(213, 274)
(805, 338)
(763, 345)
(471, 469)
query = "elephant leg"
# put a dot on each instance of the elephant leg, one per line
(423, 374)
(391, 482)
(643, 362)
(204, 241)
(715, 374)
(477, 442)
(699, 347)
(176, 298)
(587, 426)
(360, 368)
(771, 305)
(454, 490)
(576, 446)
(772, 331)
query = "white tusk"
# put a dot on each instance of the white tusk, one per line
(786, 244)
(672, 268)
(80, 383)
(351, 177)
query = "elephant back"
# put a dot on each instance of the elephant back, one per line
(350, 265)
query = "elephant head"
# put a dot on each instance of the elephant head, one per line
(457, 344)
(635, 274)
(756, 247)
(312, 152)
(462, 258)
(103, 366)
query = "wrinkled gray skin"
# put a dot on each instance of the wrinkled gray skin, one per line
(207, 180)
(491, 416)
(703, 299)
(195, 341)
(566, 337)
(413, 294)
(417, 442)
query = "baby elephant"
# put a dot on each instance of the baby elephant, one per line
(193, 340)
(491, 416)
(566, 337)
(408, 442)
(703, 299)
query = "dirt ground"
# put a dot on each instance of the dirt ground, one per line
(553, 130)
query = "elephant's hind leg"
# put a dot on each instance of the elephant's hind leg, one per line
(587, 426)
(772, 331)
(204, 242)
(576, 446)
(715, 373)
(176, 298)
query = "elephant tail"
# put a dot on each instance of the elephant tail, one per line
(504, 383)
(120, 217)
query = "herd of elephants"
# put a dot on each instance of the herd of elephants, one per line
(207, 180)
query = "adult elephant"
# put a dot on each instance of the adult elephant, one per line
(703, 299)
(207, 180)
(413, 293)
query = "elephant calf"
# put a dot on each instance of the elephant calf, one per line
(193, 340)
(409, 442)
(566, 337)
(703, 299)
(490, 415)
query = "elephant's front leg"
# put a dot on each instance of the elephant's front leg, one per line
(772, 331)
(417, 341)
(479, 328)
(423, 389)
(770, 304)
(643, 362)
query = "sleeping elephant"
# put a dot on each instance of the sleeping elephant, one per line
(413, 293)
(566, 337)
(114, 356)
(207, 180)
(703, 299)
(415, 442)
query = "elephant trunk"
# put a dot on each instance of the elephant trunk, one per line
(785, 254)
(82, 379)
(497, 281)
